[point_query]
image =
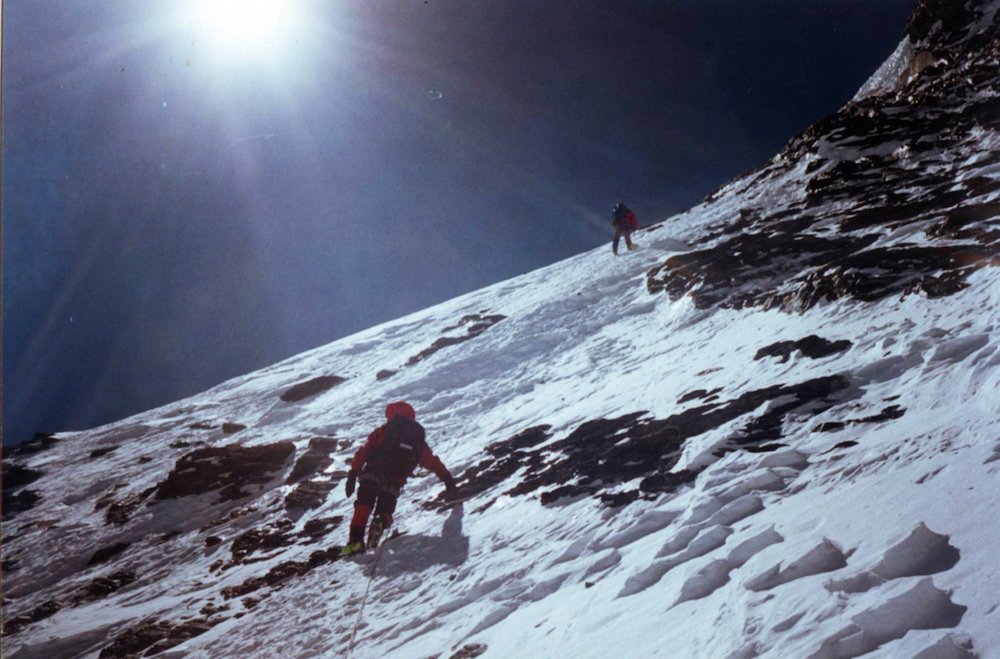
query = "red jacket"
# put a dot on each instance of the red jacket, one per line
(427, 459)
(630, 219)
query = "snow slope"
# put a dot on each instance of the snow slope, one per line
(772, 431)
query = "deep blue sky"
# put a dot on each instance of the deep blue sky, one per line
(401, 153)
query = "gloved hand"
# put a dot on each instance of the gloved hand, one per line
(352, 476)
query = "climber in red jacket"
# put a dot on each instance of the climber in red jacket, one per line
(624, 222)
(386, 460)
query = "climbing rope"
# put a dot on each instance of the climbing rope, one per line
(361, 611)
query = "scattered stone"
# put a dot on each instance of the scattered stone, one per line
(312, 387)
(41, 441)
(46, 610)
(104, 501)
(830, 426)
(101, 452)
(212, 540)
(315, 460)
(696, 394)
(230, 428)
(315, 529)
(105, 554)
(120, 512)
(16, 475)
(211, 609)
(887, 414)
(309, 495)
(15, 504)
(385, 374)
(202, 425)
(104, 586)
(470, 651)
(759, 269)
(9, 564)
(601, 455)
(812, 346)
(283, 572)
(145, 459)
(228, 469)
(154, 637)
(476, 325)
(260, 540)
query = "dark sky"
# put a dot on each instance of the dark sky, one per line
(179, 209)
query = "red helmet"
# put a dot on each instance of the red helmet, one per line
(393, 410)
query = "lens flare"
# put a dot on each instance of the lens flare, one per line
(245, 29)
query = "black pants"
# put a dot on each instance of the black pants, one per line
(372, 494)
(621, 229)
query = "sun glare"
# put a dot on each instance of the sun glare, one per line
(245, 29)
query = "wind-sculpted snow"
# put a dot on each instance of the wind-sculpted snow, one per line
(772, 431)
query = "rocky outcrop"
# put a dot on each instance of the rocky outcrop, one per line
(40, 441)
(103, 586)
(152, 637)
(16, 503)
(120, 512)
(315, 460)
(473, 324)
(309, 495)
(812, 346)
(602, 454)
(226, 469)
(105, 554)
(46, 610)
(871, 171)
(944, 20)
(261, 539)
(312, 387)
(282, 572)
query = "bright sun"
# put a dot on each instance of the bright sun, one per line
(245, 29)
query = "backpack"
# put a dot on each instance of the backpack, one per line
(620, 212)
(399, 453)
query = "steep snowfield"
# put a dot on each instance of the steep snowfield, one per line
(641, 481)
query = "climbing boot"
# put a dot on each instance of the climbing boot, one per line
(352, 548)
(375, 531)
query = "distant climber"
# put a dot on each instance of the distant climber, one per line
(386, 460)
(624, 222)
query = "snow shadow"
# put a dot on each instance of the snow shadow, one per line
(418, 552)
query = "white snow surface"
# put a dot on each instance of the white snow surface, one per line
(889, 77)
(877, 539)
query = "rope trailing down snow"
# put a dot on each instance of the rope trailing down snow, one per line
(361, 611)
